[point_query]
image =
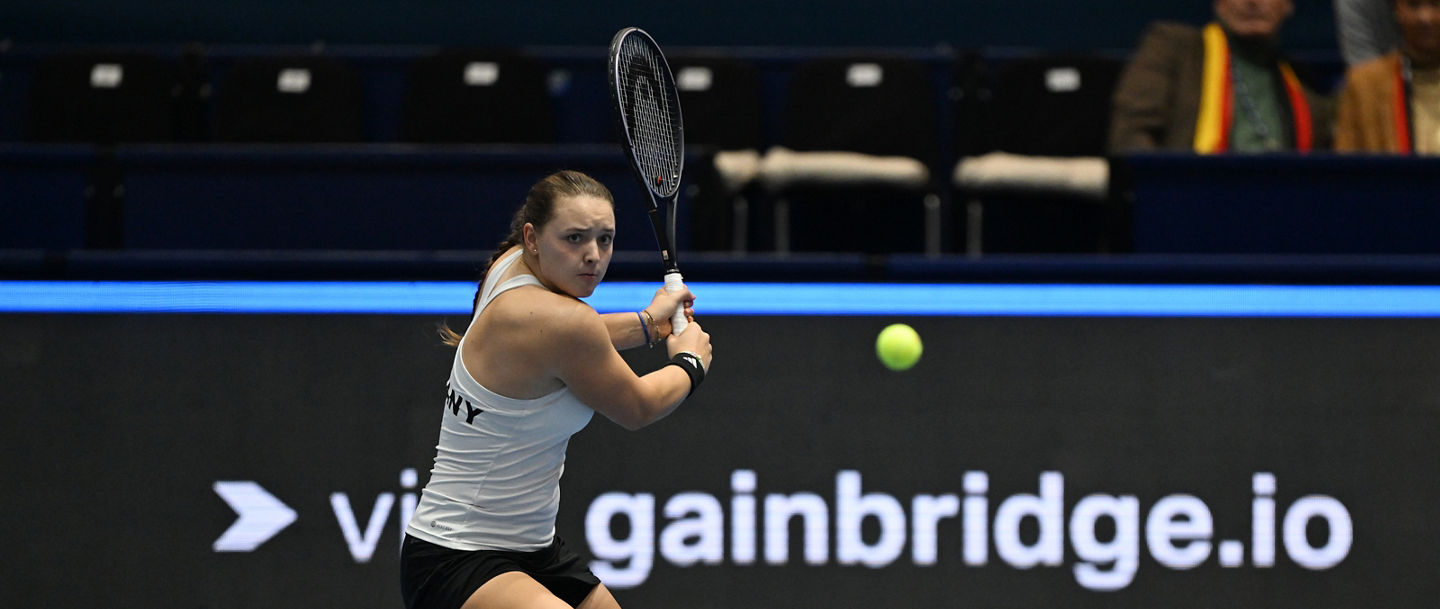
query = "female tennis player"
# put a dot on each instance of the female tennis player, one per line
(530, 369)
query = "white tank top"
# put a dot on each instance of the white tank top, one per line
(496, 480)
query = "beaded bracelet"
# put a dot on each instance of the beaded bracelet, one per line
(651, 324)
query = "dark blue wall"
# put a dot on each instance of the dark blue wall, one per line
(1058, 24)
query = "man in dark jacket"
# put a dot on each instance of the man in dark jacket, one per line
(1220, 88)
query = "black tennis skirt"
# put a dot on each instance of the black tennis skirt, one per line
(436, 577)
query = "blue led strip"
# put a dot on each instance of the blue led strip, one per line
(453, 298)
(233, 297)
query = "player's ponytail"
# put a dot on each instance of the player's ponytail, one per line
(537, 210)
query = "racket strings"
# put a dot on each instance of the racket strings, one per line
(653, 118)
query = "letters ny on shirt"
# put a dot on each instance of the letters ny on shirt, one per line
(454, 401)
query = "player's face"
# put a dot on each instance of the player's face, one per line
(1253, 18)
(1420, 27)
(573, 249)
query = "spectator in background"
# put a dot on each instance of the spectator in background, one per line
(1392, 103)
(1221, 88)
(1366, 29)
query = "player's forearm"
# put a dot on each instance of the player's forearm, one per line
(668, 387)
(651, 398)
(625, 329)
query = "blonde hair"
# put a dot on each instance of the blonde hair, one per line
(538, 209)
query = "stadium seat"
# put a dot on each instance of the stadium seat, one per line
(720, 98)
(859, 139)
(103, 98)
(1032, 132)
(290, 99)
(476, 96)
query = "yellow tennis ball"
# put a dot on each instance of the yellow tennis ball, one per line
(898, 347)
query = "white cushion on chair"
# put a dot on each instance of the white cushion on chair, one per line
(737, 168)
(1087, 177)
(782, 168)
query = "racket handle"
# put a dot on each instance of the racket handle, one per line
(674, 283)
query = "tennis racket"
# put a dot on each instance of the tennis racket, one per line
(647, 110)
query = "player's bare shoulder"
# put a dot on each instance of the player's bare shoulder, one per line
(544, 313)
(528, 330)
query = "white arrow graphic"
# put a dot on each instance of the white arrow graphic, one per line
(261, 516)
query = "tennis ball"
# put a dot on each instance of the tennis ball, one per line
(898, 347)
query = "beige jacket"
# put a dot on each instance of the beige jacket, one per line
(1366, 119)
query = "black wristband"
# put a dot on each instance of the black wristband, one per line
(691, 364)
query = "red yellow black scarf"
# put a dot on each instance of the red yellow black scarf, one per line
(1212, 127)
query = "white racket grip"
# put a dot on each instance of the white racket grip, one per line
(674, 283)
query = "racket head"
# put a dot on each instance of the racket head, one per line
(647, 108)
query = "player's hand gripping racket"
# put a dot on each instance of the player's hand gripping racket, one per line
(647, 109)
